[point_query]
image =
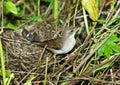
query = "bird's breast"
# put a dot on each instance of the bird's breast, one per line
(68, 44)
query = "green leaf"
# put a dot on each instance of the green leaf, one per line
(64, 83)
(10, 7)
(47, 1)
(29, 81)
(110, 47)
(101, 21)
(11, 26)
(35, 18)
(104, 66)
(91, 7)
(116, 47)
(55, 11)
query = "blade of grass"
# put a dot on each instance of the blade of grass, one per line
(46, 69)
(2, 63)
(38, 8)
(86, 22)
(55, 11)
(1, 31)
(46, 12)
(1, 51)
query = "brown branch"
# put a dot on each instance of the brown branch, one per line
(90, 55)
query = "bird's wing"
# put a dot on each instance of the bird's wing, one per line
(53, 43)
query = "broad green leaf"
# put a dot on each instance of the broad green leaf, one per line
(116, 47)
(100, 51)
(91, 7)
(10, 7)
(108, 51)
(110, 47)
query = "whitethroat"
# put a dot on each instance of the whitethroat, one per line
(63, 44)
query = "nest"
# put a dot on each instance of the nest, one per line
(23, 56)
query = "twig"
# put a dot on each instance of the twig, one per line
(73, 82)
(89, 56)
(27, 75)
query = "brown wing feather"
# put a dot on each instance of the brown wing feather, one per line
(53, 43)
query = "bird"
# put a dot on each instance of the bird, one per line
(60, 45)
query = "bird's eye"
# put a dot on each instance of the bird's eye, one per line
(71, 30)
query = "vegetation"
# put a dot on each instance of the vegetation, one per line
(94, 59)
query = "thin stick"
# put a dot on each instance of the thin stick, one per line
(89, 56)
